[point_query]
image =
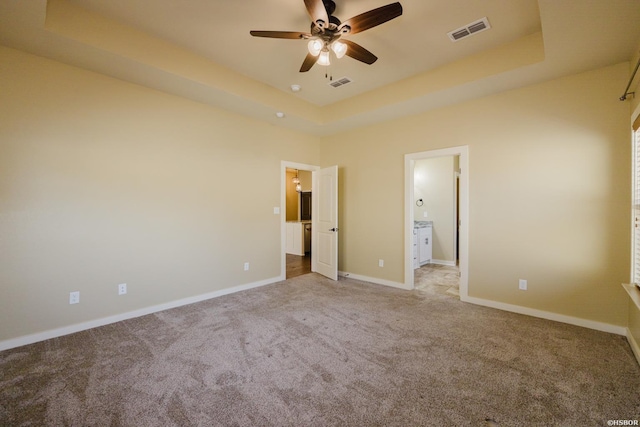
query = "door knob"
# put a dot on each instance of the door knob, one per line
(333, 229)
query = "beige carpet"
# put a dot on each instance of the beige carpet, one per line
(311, 352)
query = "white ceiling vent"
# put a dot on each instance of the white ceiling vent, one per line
(469, 29)
(340, 82)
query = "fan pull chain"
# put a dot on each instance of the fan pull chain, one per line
(328, 74)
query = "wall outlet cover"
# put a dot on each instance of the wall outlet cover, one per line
(74, 297)
(522, 284)
(122, 288)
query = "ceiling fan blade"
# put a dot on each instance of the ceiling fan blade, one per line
(309, 62)
(356, 51)
(317, 12)
(280, 34)
(372, 18)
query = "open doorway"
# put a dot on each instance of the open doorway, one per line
(435, 232)
(298, 222)
(436, 216)
(297, 197)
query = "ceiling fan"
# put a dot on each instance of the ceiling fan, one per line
(327, 31)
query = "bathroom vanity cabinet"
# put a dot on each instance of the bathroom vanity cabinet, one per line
(422, 243)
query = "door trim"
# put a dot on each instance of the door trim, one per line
(409, 165)
(284, 164)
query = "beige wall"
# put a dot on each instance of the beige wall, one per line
(549, 193)
(435, 184)
(305, 180)
(104, 182)
(634, 100)
(292, 202)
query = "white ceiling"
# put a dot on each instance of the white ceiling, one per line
(578, 36)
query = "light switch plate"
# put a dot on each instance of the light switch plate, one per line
(276, 211)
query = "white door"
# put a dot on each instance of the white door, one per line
(324, 255)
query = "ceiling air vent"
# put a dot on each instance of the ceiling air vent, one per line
(469, 29)
(340, 82)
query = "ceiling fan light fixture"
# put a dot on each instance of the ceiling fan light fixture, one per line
(326, 29)
(315, 46)
(324, 58)
(339, 48)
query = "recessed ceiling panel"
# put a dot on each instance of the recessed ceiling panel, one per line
(411, 44)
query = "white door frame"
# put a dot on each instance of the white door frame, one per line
(456, 225)
(283, 209)
(409, 165)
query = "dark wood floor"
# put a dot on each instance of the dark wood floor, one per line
(298, 265)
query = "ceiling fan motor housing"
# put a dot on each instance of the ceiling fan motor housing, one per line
(330, 6)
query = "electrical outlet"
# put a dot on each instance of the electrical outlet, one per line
(246, 266)
(122, 288)
(380, 263)
(522, 284)
(74, 297)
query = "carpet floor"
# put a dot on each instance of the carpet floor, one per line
(312, 352)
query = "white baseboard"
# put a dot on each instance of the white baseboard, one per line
(634, 345)
(374, 280)
(598, 326)
(590, 324)
(54, 333)
(443, 262)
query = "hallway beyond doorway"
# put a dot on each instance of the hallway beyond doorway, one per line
(298, 265)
